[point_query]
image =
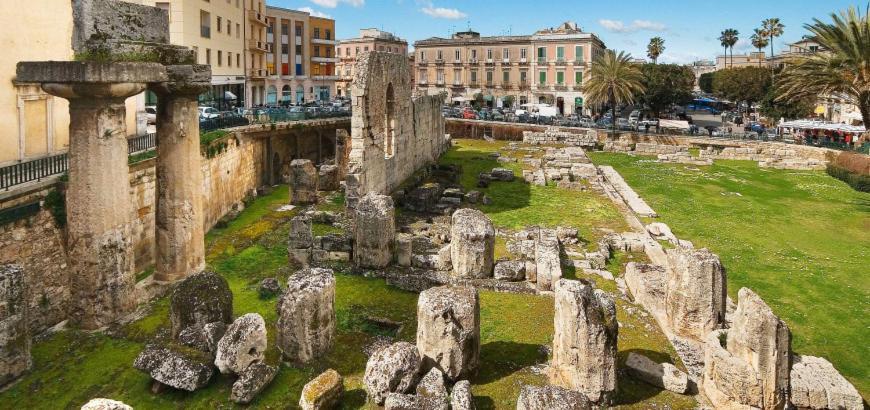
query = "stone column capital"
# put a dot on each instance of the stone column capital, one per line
(188, 80)
(91, 80)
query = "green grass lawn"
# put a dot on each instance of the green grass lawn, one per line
(800, 239)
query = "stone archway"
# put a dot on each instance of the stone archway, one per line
(390, 122)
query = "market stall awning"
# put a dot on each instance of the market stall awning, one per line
(821, 125)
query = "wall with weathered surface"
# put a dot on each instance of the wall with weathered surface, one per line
(230, 176)
(391, 135)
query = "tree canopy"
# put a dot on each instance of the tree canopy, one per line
(705, 82)
(750, 84)
(666, 84)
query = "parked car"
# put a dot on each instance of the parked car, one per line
(151, 114)
(469, 114)
(209, 113)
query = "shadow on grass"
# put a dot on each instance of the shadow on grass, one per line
(506, 196)
(483, 403)
(630, 390)
(500, 359)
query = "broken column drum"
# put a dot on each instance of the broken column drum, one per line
(584, 342)
(306, 315)
(448, 330)
(99, 210)
(303, 182)
(695, 300)
(15, 341)
(374, 231)
(472, 243)
(179, 216)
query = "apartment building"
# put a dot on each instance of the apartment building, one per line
(548, 66)
(256, 49)
(36, 124)
(370, 39)
(323, 59)
(753, 59)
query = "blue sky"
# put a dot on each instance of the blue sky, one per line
(690, 28)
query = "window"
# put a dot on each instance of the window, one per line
(489, 54)
(457, 55)
(542, 54)
(316, 32)
(316, 69)
(523, 53)
(578, 54)
(298, 31)
(422, 55)
(457, 77)
(347, 52)
(238, 60)
(328, 34)
(285, 49)
(560, 53)
(316, 51)
(230, 27)
(208, 56)
(542, 78)
(489, 77)
(238, 30)
(506, 77)
(523, 77)
(560, 77)
(219, 23)
(506, 53)
(424, 77)
(328, 52)
(578, 78)
(356, 51)
(474, 54)
(196, 53)
(439, 76)
(474, 76)
(229, 59)
(440, 56)
(204, 24)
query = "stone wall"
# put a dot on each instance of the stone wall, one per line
(553, 135)
(391, 135)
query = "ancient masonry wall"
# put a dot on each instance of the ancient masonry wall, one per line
(36, 242)
(392, 135)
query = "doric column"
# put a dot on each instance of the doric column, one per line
(179, 215)
(98, 203)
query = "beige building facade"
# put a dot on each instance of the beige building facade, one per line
(36, 124)
(548, 66)
(753, 59)
(370, 39)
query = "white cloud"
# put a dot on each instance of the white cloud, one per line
(331, 4)
(617, 26)
(443, 13)
(315, 13)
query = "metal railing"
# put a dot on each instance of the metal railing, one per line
(33, 170)
(146, 142)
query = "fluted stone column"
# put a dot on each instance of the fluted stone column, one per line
(179, 216)
(98, 204)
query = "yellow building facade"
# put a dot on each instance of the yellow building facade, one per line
(37, 124)
(322, 38)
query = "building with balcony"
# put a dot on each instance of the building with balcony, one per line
(370, 39)
(548, 66)
(323, 59)
(256, 48)
(753, 59)
(288, 57)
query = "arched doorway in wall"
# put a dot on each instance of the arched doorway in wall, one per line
(560, 105)
(390, 122)
(272, 95)
(286, 98)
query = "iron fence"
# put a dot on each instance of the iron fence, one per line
(33, 170)
(146, 142)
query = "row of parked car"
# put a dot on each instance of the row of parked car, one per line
(212, 118)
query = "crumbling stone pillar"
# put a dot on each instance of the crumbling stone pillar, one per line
(306, 315)
(179, 215)
(584, 343)
(472, 243)
(14, 330)
(303, 182)
(695, 300)
(99, 210)
(548, 265)
(374, 231)
(448, 330)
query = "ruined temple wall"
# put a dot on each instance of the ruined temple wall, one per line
(230, 176)
(391, 135)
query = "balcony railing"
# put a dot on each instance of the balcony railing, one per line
(507, 86)
(505, 61)
(524, 85)
(457, 85)
(489, 84)
(473, 84)
(258, 18)
(257, 73)
(473, 61)
(561, 87)
(578, 87)
(261, 46)
(542, 60)
(524, 61)
(439, 62)
(457, 61)
(561, 61)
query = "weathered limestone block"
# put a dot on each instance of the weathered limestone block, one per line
(323, 392)
(551, 398)
(664, 375)
(548, 266)
(695, 302)
(423, 198)
(15, 341)
(502, 174)
(251, 382)
(200, 299)
(817, 385)
(244, 343)
(392, 369)
(105, 404)
(510, 271)
(98, 21)
(203, 338)
(269, 288)
(301, 240)
(461, 397)
(306, 315)
(374, 231)
(448, 330)
(432, 385)
(648, 285)
(184, 369)
(327, 178)
(584, 343)
(303, 182)
(398, 401)
(760, 338)
(472, 244)
(404, 249)
(728, 381)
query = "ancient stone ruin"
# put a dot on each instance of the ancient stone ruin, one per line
(695, 299)
(15, 339)
(322, 392)
(584, 343)
(472, 244)
(303, 181)
(374, 231)
(306, 315)
(448, 330)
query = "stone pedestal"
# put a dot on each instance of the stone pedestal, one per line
(695, 299)
(99, 210)
(584, 343)
(472, 241)
(179, 215)
(448, 330)
(374, 232)
(303, 182)
(306, 316)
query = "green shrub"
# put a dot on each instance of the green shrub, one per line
(55, 202)
(860, 183)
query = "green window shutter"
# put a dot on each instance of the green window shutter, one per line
(560, 78)
(542, 77)
(578, 53)
(560, 52)
(578, 77)
(506, 76)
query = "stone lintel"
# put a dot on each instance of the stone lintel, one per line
(79, 72)
(187, 79)
(139, 51)
(98, 22)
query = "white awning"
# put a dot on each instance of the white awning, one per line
(677, 124)
(230, 96)
(821, 125)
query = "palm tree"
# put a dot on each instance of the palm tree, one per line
(773, 28)
(655, 48)
(614, 80)
(728, 39)
(759, 40)
(842, 71)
